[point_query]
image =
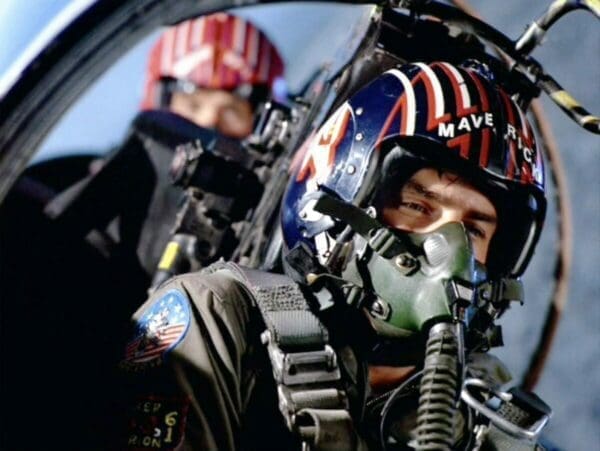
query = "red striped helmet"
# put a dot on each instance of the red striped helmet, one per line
(219, 51)
(423, 115)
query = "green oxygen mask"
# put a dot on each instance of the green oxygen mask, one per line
(414, 280)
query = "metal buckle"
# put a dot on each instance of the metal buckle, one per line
(495, 418)
(294, 368)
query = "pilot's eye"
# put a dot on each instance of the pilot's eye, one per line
(414, 206)
(475, 231)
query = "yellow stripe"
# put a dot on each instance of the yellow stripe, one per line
(594, 5)
(565, 99)
(590, 119)
(169, 255)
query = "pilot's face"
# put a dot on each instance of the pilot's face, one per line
(215, 109)
(430, 199)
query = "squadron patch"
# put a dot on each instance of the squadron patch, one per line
(157, 422)
(162, 326)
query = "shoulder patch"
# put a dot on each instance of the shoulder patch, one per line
(162, 326)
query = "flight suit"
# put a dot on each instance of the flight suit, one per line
(197, 376)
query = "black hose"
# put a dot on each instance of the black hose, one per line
(439, 390)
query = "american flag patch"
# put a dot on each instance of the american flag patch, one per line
(159, 329)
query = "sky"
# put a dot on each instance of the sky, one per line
(308, 34)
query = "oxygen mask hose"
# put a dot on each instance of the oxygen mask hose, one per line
(440, 386)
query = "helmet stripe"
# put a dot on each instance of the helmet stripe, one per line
(523, 125)
(527, 143)
(265, 63)
(510, 169)
(239, 33)
(461, 92)
(485, 133)
(216, 78)
(463, 142)
(197, 33)
(227, 42)
(407, 127)
(181, 39)
(253, 48)
(184, 67)
(434, 95)
(484, 153)
(166, 56)
(483, 98)
(526, 248)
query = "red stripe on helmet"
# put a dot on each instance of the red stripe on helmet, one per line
(217, 73)
(181, 40)
(400, 105)
(484, 153)
(265, 62)
(483, 98)
(458, 95)
(197, 33)
(253, 49)
(511, 163)
(529, 141)
(432, 121)
(463, 142)
(226, 42)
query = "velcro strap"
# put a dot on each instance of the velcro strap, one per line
(295, 328)
(284, 309)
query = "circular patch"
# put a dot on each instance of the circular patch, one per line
(159, 330)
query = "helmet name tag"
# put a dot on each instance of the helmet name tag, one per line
(466, 124)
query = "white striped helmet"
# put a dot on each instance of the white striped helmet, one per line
(218, 51)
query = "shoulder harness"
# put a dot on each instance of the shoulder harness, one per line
(311, 396)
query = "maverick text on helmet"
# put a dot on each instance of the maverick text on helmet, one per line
(218, 51)
(440, 115)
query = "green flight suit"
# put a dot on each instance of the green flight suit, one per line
(197, 375)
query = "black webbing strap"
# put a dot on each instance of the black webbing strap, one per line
(305, 366)
(286, 312)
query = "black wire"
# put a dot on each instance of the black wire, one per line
(388, 405)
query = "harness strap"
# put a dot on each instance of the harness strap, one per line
(305, 367)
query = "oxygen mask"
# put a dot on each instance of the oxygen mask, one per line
(407, 281)
(423, 286)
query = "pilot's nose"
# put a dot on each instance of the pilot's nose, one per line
(446, 216)
(207, 117)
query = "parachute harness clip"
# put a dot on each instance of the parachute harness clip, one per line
(519, 414)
